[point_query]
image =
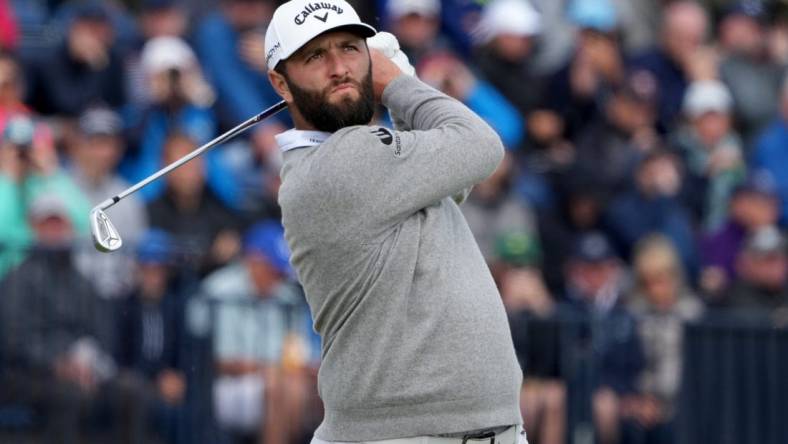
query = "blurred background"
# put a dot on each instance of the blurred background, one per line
(636, 228)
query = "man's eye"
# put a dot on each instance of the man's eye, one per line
(314, 56)
(351, 48)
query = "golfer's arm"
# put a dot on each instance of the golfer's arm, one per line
(449, 147)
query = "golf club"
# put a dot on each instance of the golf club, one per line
(106, 237)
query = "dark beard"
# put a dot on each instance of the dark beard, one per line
(328, 117)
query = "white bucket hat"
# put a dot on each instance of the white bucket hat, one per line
(298, 21)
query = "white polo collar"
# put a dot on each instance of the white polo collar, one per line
(294, 138)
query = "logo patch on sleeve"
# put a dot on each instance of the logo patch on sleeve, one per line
(384, 135)
(387, 137)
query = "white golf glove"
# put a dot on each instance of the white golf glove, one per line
(387, 44)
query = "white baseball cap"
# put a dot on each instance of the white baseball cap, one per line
(517, 17)
(297, 22)
(706, 96)
(162, 53)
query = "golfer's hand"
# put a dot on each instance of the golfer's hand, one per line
(383, 72)
(387, 43)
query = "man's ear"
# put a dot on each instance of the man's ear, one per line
(280, 85)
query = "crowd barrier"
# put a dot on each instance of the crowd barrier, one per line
(734, 387)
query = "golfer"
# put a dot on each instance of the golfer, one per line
(416, 345)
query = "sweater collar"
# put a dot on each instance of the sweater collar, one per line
(294, 138)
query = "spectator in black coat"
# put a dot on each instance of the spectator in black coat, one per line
(204, 229)
(612, 145)
(84, 70)
(603, 333)
(56, 340)
(579, 209)
(151, 327)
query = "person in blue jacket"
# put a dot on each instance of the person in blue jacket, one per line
(771, 152)
(601, 333)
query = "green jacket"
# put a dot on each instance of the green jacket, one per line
(15, 233)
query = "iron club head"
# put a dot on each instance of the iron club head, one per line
(105, 237)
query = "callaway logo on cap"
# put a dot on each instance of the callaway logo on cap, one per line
(298, 21)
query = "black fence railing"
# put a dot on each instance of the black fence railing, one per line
(734, 386)
(735, 383)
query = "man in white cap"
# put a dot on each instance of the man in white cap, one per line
(416, 345)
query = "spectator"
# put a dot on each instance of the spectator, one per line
(679, 57)
(545, 156)
(446, 72)
(760, 291)
(96, 152)
(663, 303)
(492, 208)
(576, 90)
(204, 229)
(635, 21)
(230, 45)
(416, 23)
(11, 89)
(711, 149)
(28, 169)
(157, 18)
(771, 154)
(535, 331)
(258, 322)
(747, 67)
(179, 99)
(84, 70)
(505, 45)
(57, 341)
(579, 210)
(124, 25)
(608, 336)
(612, 146)
(753, 205)
(654, 205)
(151, 338)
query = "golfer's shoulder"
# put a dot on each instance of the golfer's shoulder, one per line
(353, 147)
(359, 137)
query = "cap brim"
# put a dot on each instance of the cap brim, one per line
(360, 29)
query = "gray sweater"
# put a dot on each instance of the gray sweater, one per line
(415, 337)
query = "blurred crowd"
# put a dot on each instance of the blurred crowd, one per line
(645, 186)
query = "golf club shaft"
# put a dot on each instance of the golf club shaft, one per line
(222, 138)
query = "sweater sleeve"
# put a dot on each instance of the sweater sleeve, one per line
(392, 174)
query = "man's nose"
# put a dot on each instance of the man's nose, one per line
(338, 67)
